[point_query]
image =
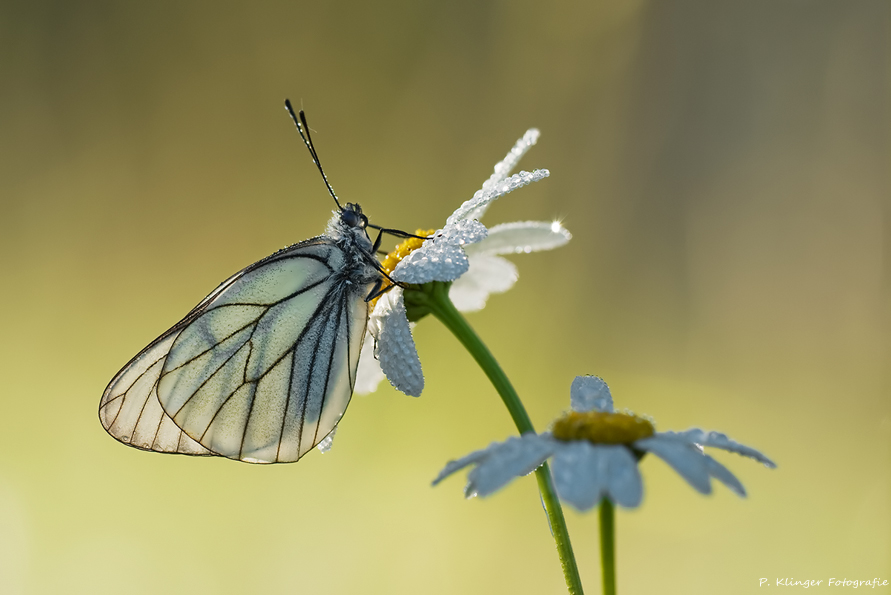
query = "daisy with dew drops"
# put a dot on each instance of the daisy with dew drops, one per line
(464, 253)
(595, 451)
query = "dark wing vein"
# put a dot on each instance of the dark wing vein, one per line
(208, 379)
(266, 307)
(334, 341)
(281, 433)
(229, 396)
(346, 318)
(309, 376)
(124, 394)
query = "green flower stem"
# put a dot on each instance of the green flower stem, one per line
(436, 301)
(608, 546)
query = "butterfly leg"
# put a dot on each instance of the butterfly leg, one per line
(377, 241)
(377, 290)
(393, 232)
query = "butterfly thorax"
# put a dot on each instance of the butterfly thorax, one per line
(347, 230)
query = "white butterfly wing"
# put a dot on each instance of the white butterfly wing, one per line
(130, 410)
(261, 371)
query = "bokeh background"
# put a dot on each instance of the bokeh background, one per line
(722, 165)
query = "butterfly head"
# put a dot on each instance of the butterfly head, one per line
(348, 225)
(352, 216)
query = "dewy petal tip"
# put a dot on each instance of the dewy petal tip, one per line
(590, 393)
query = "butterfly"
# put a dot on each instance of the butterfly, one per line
(263, 368)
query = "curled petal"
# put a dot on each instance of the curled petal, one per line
(369, 373)
(442, 257)
(522, 237)
(395, 349)
(461, 233)
(584, 474)
(719, 440)
(441, 262)
(590, 393)
(486, 275)
(486, 195)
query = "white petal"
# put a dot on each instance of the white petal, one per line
(486, 195)
(461, 232)
(486, 275)
(719, 440)
(513, 458)
(506, 165)
(690, 462)
(439, 262)
(500, 462)
(442, 257)
(590, 393)
(625, 485)
(458, 464)
(522, 237)
(510, 161)
(723, 474)
(369, 373)
(382, 309)
(395, 348)
(579, 470)
(584, 474)
(684, 457)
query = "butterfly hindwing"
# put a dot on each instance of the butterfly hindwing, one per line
(260, 371)
(130, 410)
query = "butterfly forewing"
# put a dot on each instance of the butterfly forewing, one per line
(256, 371)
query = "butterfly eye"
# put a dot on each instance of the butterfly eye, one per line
(353, 218)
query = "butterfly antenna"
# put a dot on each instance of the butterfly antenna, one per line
(303, 129)
(396, 232)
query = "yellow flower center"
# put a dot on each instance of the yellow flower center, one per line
(401, 251)
(600, 427)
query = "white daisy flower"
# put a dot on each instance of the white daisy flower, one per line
(595, 454)
(463, 252)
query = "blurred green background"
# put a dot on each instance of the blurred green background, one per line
(722, 165)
